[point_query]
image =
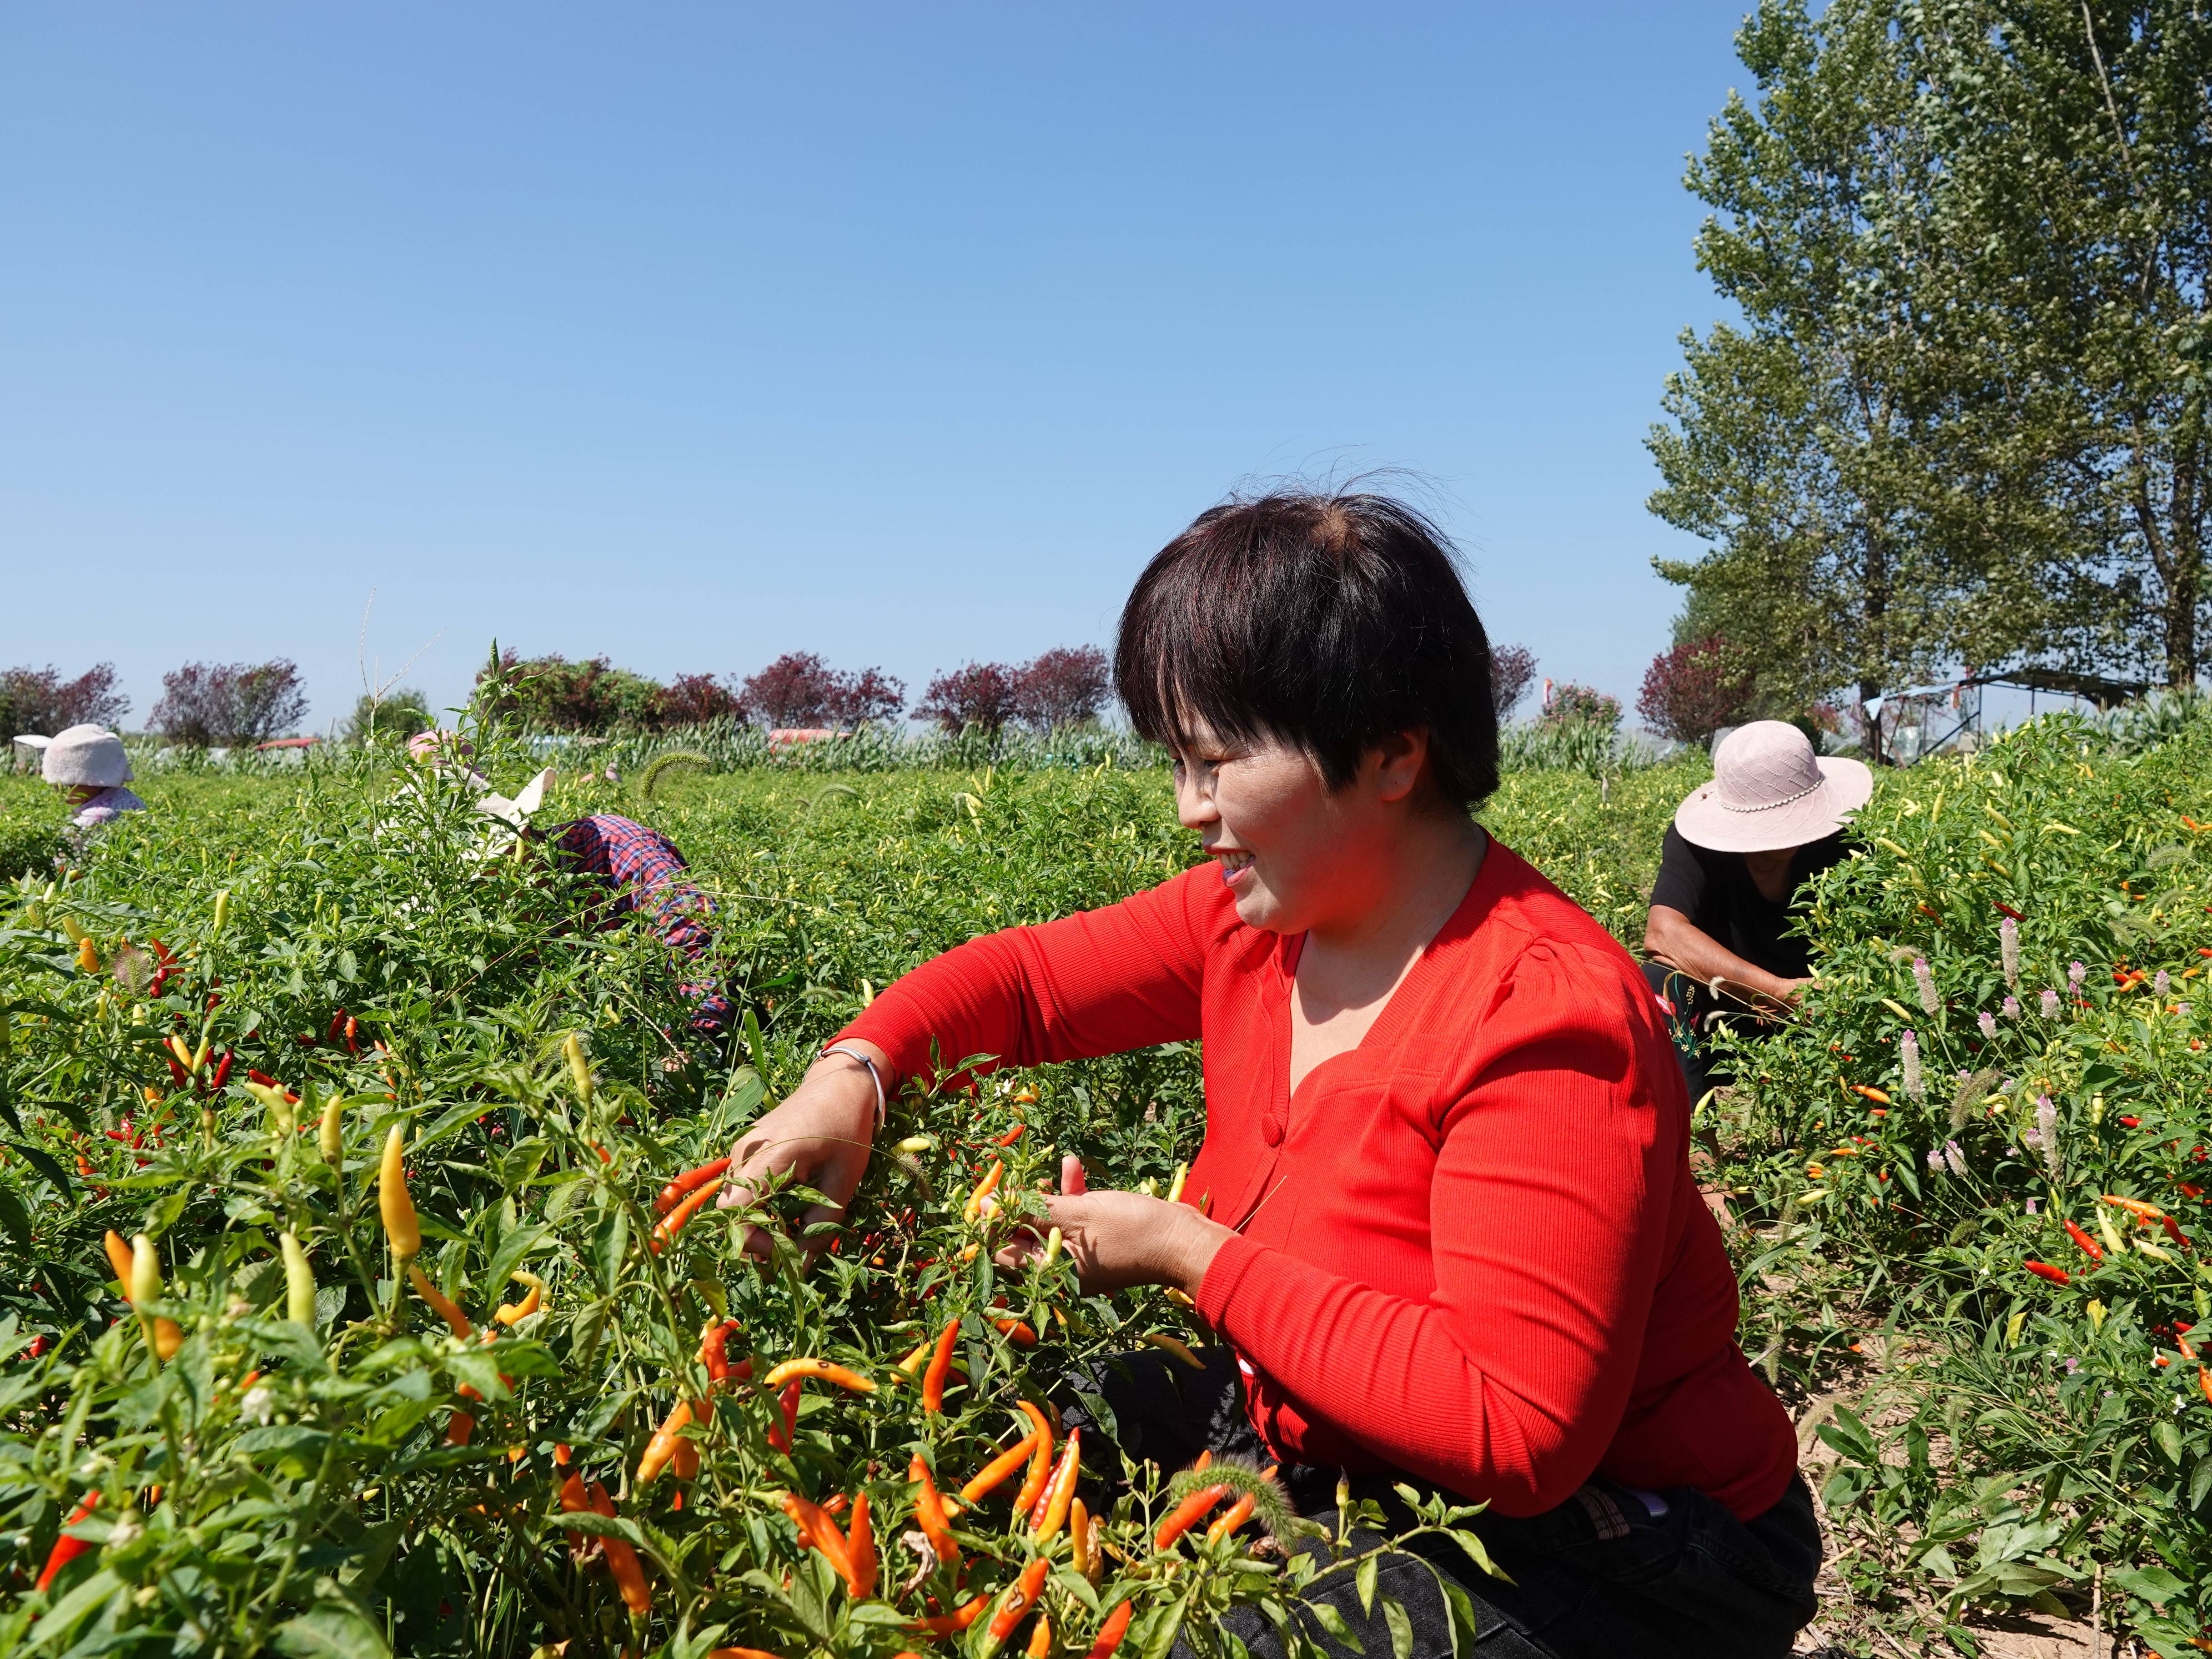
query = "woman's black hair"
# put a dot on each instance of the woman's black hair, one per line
(1326, 622)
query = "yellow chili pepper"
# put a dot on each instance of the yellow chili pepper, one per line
(331, 1137)
(222, 911)
(299, 1282)
(162, 1335)
(580, 1068)
(400, 1224)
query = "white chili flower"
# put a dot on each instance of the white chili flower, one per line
(259, 1405)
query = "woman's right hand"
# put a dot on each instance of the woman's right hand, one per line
(821, 1136)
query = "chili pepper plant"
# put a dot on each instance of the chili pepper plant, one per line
(368, 1290)
(1982, 1153)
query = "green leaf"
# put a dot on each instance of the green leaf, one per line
(1363, 1582)
(1401, 1629)
(331, 1630)
(1332, 1621)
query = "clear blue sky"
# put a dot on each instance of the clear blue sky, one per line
(692, 334)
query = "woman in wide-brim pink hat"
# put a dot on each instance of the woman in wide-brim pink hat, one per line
(1721, 931)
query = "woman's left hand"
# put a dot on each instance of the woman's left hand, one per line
(1117, 1239)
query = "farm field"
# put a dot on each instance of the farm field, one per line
(1969, 1260)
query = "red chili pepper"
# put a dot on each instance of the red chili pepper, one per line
(1011, 1136)
(2009, 911)
(2090, 1248)
(1111, 1632)
(222, 1073)
(789, 1400)
(2131, 1123)
(67, 1549)
(2174, 1232)
(690, 1181)
(39, 1344)
(1188, 1513)
(2045, 1270)
(336, 1025)
(940, 1368)
(352, 1047)
(176, 1071)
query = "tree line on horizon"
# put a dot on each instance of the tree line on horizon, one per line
(1962, 424)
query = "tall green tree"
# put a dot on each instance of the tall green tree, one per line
(1795, 436)
(2076, 198)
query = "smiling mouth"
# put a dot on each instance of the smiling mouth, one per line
(1234, 864)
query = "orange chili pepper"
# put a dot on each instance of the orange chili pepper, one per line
(1111, 1632)
(668, 1439)
(1188, 1513)
(860, 1548)
(984, 1188)
(1016, 1331)
(690, 1181)
(929, 1514)
(823, 1370)
(1019, 1599)
(622, 1562)
(2204, 1381)
(741, 1653)
(993, 1473)
(949, 1623)
(941, 1367)
(1040, 1645)
(119, 1257)
(1040, 1459)
(819, 1530)
(1230, 1518)
(675, 1221)
(456, 1321)
(2135, 1206)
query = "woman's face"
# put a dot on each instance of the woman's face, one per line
(1294, 854)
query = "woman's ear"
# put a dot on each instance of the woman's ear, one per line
(1399, 760)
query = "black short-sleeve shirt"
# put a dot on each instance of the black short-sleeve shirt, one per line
(1717, 893)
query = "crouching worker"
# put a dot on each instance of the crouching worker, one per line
(87, 765)
(639, 867)
(645, 873)
(1443, 1218)
(1719, 940)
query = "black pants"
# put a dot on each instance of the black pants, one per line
(1602, 1575)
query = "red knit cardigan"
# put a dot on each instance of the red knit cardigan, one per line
(1471, 1248)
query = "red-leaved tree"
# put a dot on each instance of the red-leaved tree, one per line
(1512, 671)
(1691, 691)
(1062, 687)
(237, 703)
(977, 693)
(693, 700)
(800, 689)
(40, 700)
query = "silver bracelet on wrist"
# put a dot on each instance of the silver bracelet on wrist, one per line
(882, 1105)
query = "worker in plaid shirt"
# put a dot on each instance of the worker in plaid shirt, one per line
(647, 874)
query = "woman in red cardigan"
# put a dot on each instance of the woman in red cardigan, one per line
(1444, 1215)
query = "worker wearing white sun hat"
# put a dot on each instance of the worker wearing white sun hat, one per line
(1731, 873)
(88, 764)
